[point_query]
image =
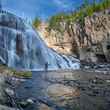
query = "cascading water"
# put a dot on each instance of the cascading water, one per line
(22, 48)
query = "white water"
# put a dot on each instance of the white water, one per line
(22, 48)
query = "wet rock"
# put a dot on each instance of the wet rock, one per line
(9, 91)
(59, 90)
(87, 67)
(27, 103)
(2, 87)
(60, 93)
(108, 81)
(44, 107)
(59, 76)
(23, 104)
(18, 79)
(30, 101)
(2, 107)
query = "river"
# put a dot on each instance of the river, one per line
(66, 90)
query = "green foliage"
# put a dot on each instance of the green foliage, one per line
(54, 22)
(86, 9)
(22, 74)
(10, 71)
(36, 22)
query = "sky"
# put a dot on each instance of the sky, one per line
(39, 8)
(43, 9)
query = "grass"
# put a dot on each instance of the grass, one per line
(22, 74)
(10, 71)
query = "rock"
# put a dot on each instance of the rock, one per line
(2, 107)
(9, 91)
(23, 104)
(108, 81)
(60, 75)
(59, 90)
(44, 107)
(2, 79)
(87, 67)
(18, 79)
(60, 93)
(27, 103)
(30, 101)
(2, 87)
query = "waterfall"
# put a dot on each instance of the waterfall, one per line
(22, 48)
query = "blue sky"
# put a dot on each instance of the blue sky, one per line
(40, 8)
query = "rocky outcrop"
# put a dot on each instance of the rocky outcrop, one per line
(94, 37)
(5, 94)
(89, 40)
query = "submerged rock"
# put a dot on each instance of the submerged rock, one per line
(9, 91)
(60, 90)
(22, 48)
(44, 107)
(30, 101)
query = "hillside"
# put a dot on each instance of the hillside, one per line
(86, 36)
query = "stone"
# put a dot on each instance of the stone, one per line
(23, 104)
(44, 107)
(2, 107)
(9, 91)
(59, 90)
(30, 101)
(2, 87)
(108, 81)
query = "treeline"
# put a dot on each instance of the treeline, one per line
(86, 9)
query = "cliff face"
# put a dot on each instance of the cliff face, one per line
(90, 40)
(93, 38)
(61, 42)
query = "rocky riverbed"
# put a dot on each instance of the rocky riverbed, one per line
(9, 79)
(66, 90)
(7, 101)
(85, 89)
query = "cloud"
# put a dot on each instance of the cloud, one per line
(64, 4)
(60, 4)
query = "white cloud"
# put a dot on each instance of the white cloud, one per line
(61, 4)
(64, 4)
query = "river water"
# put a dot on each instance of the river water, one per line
(35, 89)
(90, 90)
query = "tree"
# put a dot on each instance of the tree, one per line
(36, 22)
